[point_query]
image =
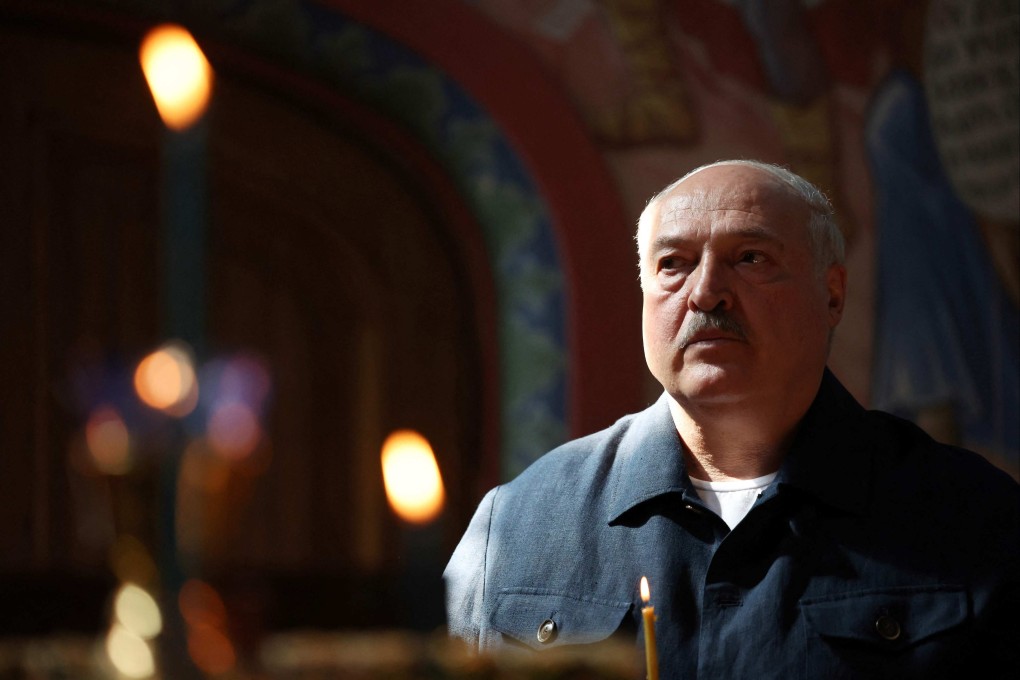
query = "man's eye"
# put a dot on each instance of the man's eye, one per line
(670, 264)
(752, 257)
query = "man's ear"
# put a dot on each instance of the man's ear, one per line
(835, 282)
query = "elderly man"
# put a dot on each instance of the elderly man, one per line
(785, 531)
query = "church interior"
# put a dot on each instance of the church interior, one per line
(418, 218)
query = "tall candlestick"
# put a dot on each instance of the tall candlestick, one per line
(648, 614)
(414, 488)
(180, 80)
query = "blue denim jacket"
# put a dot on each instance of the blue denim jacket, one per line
(876, 552)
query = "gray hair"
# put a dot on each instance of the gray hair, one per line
(827, 242)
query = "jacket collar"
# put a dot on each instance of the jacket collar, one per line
(830, 458)
(649, 460)
(831, 455)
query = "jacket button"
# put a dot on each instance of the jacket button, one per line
(547, 631)
(887, 627)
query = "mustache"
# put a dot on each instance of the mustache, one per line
(714, 320)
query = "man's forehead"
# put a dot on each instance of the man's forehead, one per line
(690, 208)
(760, 195)
(698, 199)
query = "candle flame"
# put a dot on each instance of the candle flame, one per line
(178, 74)
(137, 611)
(165, 380)
(645, 594)
(411, 476)
(130, 654)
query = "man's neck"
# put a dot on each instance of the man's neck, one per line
(725, 448)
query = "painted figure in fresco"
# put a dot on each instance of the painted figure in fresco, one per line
(785, 530)
(656, 109)
(770, 46)
(947, 342)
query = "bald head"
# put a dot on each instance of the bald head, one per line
(828, 244)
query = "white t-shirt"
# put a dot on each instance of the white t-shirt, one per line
(732, 499)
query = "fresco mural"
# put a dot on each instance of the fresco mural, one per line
(942, 138)
(905, 113)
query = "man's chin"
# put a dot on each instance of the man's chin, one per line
(710, 384)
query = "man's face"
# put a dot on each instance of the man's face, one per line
(734, 308)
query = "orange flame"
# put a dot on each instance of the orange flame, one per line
(165, 380)
(411, 476)
(645, 594)
(178, 74)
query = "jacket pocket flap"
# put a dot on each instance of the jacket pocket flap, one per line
(895, 617)
(542, 619)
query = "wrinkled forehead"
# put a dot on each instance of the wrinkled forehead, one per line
(748, 193)
(734, 188)
(685, 204)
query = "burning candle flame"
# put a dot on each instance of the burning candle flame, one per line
(178, 74)
(165, 380)
(648, 617)
(137, 611)
(411, 476)
(129, 653)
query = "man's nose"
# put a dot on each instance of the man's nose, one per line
(710, 286)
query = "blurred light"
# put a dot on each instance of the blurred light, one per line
(178, 75)
(234, 430)
(414, 486)
(210, 649)
(200, 604)
(244, 378)
(258, 462)
(129, 653)
(206, 615)
(645, 594)
(131, 562)
(165, 380)
(137, 611)
(200, 473)
(201, 478)
(107, 440)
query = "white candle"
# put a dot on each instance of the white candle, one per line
(648, 614)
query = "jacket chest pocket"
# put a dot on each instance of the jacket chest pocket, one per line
(543, 619)
(884, 633)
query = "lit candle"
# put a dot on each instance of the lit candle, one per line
(648, 614)
(181, 80)
(414, 488)
(178, 75)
